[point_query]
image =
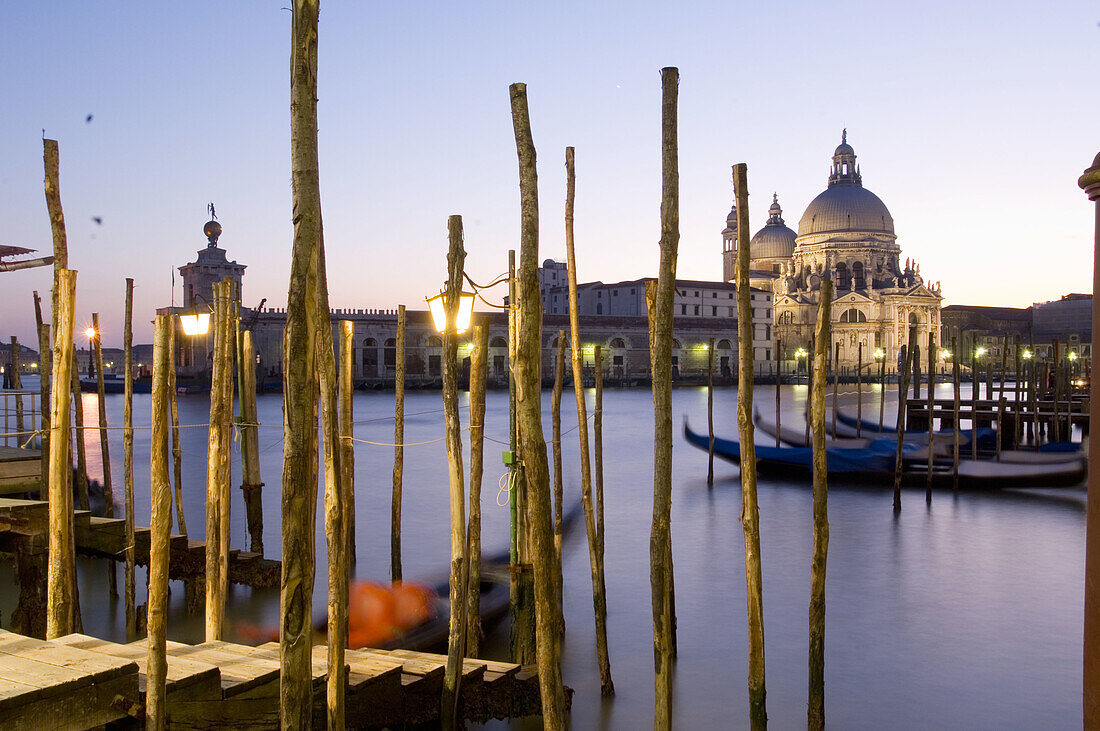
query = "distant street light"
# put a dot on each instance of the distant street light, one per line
(462, 316)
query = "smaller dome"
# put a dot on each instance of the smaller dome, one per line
(844, 149)
(731, 219)
(775, 240)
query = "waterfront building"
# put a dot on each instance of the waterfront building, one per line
(846, 234)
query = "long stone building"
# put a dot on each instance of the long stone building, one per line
(846, 234)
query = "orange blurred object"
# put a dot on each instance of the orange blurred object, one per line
(377, 613)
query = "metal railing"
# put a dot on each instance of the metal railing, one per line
(22, 414)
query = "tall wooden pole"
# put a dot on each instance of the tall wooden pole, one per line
(81, 451)
(1017, 394)
(778, 387)
(478, 361)
(52, 164)
(299, 495)
(128, 451)
(955, 446)
(599, 599)
(456, 256)
(217, 507)
(398, 448)
(1090, 182)
(903, 394)
(815, 716)
(529, 413)
(881, 392)
(597, 462)
(45, 367)
(177, 449)
(750, 511)
(347, 432)
(160, 527)
(859, 390)
(710, 411)
(61, 609)
(975, 387)
(520, 640)
(931, 409)
(251, 485)
(108, 492)
(555, 430)
(336, 496)
(836, 379)
(15, 365)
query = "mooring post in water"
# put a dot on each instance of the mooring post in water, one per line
(516, 613)
(597, 463)
(529, 411)
(347, 432)
(750, 511)
(217, 472)
(81, 449)
(835, 363)
(177, 449)
(778, 387)
(160, 527)
(931, 411)
(881, 390)
(45, 367)
(478, 369)
(398, 447)
(251, 485)
(710, 411)
(456, 256)
(128, 451)
(955, 450)
(555, 432)
(599, 600)
(1016, 393)
(859, 390)
(815, 716)
(61, 602)
(1090, 182)
(14, 366)
(905, 366)
(975, 387)
(108, 492)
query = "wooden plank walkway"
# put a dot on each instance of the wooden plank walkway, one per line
(20, 470)
(222, 684)
(106, 537)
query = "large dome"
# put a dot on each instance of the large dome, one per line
(775, 240)
(846, 208)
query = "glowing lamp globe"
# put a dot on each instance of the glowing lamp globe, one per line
(462, 317)
(196, 323)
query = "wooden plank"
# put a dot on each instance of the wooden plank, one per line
(468, 665)
(237, 714)
(196, 679)
(240, 675)
(91, 706)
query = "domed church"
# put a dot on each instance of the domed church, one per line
(847, 235)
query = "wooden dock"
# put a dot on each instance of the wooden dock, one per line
(20, 470)
(79, 682)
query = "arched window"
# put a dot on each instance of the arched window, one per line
(389, 353)
(676, 344)
(858, 280)
(787, 318)
(617, 343)
(599, 308)
(843, 278)
(370, 357)
(435, 342)
(853, 315)
(498, 342)
(725, 344)
(914, 319)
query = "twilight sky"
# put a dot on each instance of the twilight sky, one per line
(971, 120)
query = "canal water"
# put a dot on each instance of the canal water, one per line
(963, 614)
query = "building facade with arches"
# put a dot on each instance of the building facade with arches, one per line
(845, 235)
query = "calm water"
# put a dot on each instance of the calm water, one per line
(966, 614)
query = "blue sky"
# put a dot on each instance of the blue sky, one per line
(972, 122)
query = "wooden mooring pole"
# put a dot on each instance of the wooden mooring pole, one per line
(345, 401)
(931, 412)
(61, 602)
(336, 528)
(398, 447)
(881, 392)
(479, 357)
(251, 484)
(177, 449)
(15, 365)
(128, 450)
(958, 427)
(835, 363)
(815, 716)
(599, 600)
(859, 390)
(108, 492)
(750, 511)
(559, 485)
(45, 367)
(778, 388)
(78, 419)
(903, 393)
(217, 467)
(710, 411)
(975, 387)
(529, 412)
(160, 528)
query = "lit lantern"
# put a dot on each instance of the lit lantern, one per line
(462, 318)
(195, 323)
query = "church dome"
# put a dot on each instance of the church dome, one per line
(846, 205)
(775, 240)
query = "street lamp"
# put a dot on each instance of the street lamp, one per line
(880, 356)
(91, 335)
(463, 316)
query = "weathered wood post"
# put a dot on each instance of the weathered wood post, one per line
(52, 164)
(128, 452)
(299, 494)
(815, 716)
(529, 413)
(251, 485)
(559, 487)
(61, 601)
(903, 392)
(177, 449)
(217, 468)
(859, 390)
(778, 388)
(975, 387)
(478, 367)
(881, 391)
(750, 510)
(597, 463)
(599, 598)
(398, 447)
(336, 529)
(835, 363)
(81, 451)
(710, 411)
(15, 365)
(108, 492)
(160, 528)
(456, 256)
(45, 366)
(989, 379)
(958, 426)
(347, 432)
(1090, 182)
(931, 410)
(1017, 395)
